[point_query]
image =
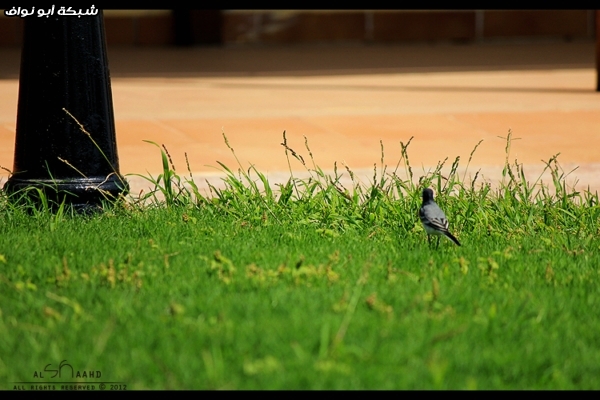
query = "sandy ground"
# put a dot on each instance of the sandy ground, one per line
(347, 100)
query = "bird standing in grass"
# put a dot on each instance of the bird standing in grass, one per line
(433, 219)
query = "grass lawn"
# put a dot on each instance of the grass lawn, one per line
(306, 286)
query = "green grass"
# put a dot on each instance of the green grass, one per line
(309, 285)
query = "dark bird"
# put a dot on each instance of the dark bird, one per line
(433, 219)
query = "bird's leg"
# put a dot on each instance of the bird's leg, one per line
(438, 243)
(429, 240)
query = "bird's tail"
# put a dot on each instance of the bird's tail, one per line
(451, 237)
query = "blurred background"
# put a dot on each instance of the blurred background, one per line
(187, 27)
(344, 80)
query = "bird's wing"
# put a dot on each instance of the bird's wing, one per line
(437, 223)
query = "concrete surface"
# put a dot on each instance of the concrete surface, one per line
(344, 99)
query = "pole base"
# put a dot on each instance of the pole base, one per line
(83, 194)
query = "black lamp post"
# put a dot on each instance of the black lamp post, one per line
(64, 78)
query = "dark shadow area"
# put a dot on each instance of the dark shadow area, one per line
(334, 59)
